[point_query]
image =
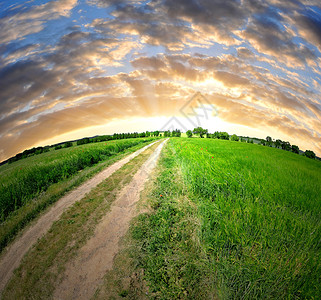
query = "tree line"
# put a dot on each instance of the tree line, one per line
(86, 140)
(284, 145)
(201, 132)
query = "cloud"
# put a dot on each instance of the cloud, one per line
(222, 16)
(309, 28)
(258, 61)
(176, 24)
(31, 21)
(230, 79)
(267, 37)
(20, 53)
(245, 53)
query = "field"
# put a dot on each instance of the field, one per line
(28, 186)
(231, 220)
(219, 220)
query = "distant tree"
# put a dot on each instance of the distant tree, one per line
(156, 133)
(286, 146)
(278, 143)
(295, 149)
(176, 133)
(262, 142)
(83, 141)
(189, 133)
(221, 135)
(235, 138)
(68, 144)
(208, 135)
(309, 154)
(46, 149)
(216, 135)
(201, 131)
(38, 150)
(167, 133)
(58, 147)
(269, 141)
(251, 141)
(147, 134)
(224, 136)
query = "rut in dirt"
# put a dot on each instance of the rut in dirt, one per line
(14, 253)
(84, 274)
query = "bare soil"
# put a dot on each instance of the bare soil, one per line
(14, 253)
(85, 273)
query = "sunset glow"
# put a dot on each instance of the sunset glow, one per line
(70, 69)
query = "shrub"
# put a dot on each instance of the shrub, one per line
(235, 138)
(309, 154)
(68, 144)
(189, 133)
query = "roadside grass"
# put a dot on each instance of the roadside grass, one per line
(14, 176)
(233, 221)
(23, 180)
(43, 266)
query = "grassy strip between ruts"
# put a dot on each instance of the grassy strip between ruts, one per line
(44, 264)
(22, 217)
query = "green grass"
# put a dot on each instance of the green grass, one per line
(30, 185)
(235, 221)
(43, 266)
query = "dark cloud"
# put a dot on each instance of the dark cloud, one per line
(309, 27)
(245, 53)
(267, 37)
(256, 61)
(225, 13)
(149, 62)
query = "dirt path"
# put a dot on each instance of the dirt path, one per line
(85, 273)
(15, 252)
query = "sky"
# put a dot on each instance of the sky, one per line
(76, 68)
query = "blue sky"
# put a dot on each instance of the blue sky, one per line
(72, 68)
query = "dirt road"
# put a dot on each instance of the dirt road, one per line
(15, 252)
(84, 274)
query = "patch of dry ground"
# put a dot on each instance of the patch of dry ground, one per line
(85, 273)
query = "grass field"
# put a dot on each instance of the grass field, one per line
(43, 266)
(224, 220)
(231, 220)
(28, 186)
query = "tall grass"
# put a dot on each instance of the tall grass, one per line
(23, 180)
(259, 218)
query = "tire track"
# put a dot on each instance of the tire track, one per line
(85, 273)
